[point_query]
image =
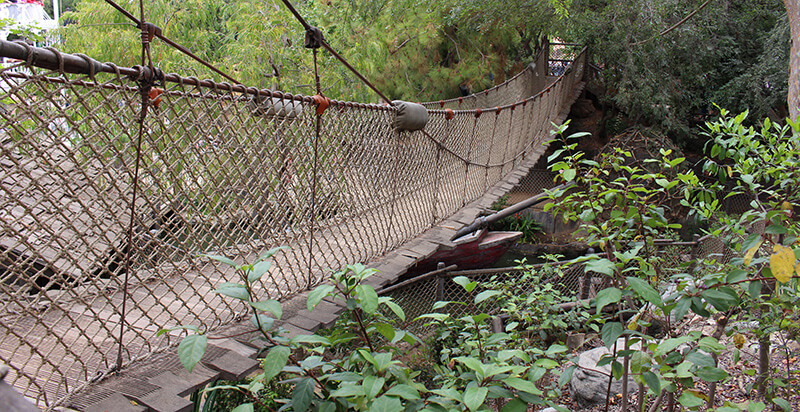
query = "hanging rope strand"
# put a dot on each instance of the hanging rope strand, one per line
(144, 88)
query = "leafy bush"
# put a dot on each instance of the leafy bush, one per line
(616, 205)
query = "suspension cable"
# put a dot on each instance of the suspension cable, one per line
(184, 50)
(323, 43)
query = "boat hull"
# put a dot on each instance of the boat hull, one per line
(472, 251)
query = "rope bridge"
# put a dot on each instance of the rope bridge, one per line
(101, 231)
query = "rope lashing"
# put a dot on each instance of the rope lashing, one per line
(314, 38)
(322, 103)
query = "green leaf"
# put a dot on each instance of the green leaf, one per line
(386, 404)
(719, 299)
(316, 296)
(486, 294)
(754, 288)
(710, 344)
(610, 332)
(603, 266)
(670, 344)
(474, 397)
(616, 370)
(682, 308)
(606, 297)
(234, 290)
(368, 298)
(522, 385)
(268, 254)
(303, 394)
(386, 330)
(711, 374)
(689, 400)
(245, 407)
(555, 349)
(191, 350)
(465, 283)
(566, 376)
(652, 381)
(776, 230)
(701, 359)
(398, 311)
(785, 405)
(259, 269)
(546, 363)
(404, 391)
(569, 174)
(473, 364)
(221, 259)
(270, 305)
(515, 405)
(736, 275)
(372, 386)
(643, 289)
(263, 321)
(327, 406)
(273, 363)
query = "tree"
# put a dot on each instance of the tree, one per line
(410, 49)
(793, 11)
(731, 53)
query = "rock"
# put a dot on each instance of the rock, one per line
(590, 382)
(575, 340)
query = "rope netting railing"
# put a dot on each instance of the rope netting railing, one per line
(517, 89)
(223, 169)
(570, 280)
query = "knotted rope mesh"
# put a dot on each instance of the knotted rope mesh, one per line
(223, 172)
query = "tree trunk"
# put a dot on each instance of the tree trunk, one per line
(793, 11)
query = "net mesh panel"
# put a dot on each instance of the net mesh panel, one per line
(572, 281)
(560, 57)
(221, 173)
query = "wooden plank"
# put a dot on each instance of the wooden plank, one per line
(114, 403)
(232, 366)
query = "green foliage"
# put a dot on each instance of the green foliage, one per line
(734, 54)
(621, 209)
(359, 363)
(409, 49)
(520, 222)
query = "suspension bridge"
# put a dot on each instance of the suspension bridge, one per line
(116, 181)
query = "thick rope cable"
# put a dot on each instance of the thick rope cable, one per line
(674, 26)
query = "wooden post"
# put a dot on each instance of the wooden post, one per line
(440, 279)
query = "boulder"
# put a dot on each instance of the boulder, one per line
(590, 382)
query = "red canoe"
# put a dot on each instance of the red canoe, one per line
(473, 250)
